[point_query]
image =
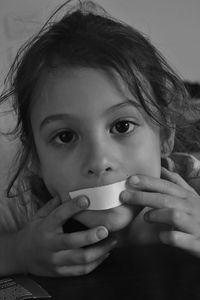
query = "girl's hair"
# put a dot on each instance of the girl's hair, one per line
(189, 136)
(86, 36)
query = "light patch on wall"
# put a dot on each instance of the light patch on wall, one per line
(18, 27)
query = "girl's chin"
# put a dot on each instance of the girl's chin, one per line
(113, 219)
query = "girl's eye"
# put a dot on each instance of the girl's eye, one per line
(123, 127)
(65, 137)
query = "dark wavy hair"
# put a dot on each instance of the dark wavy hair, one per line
(188, 137)
(87, 36)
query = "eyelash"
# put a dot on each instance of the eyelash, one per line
(74, 135)
(61, 143)
(127, 121)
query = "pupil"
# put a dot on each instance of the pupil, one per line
(122, 127)
(66, 137)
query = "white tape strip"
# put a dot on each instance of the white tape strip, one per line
(102, 197)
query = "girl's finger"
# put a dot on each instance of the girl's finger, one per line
(152, 184)
(179, 219)
(78, 270)
(177, 179)
(181, 240)
(50, 206)
(82, 238)
(68, 209)
(155, 200)
(85, 255)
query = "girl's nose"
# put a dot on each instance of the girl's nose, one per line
(100, 160)
(99, 168)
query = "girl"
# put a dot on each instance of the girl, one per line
(96, 103)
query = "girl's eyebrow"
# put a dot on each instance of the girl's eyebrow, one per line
(59, 117)
(127, 102)
(55, 117)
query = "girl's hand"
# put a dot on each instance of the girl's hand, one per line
(172, 202)
(45, 250)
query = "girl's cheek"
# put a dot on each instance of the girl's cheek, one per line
(59, 182)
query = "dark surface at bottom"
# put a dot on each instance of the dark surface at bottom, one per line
(143, 272)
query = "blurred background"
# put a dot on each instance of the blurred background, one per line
(172, 25)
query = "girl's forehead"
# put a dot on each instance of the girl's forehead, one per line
(74, 84)
(55, 80)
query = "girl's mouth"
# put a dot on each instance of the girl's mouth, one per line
(102, 197)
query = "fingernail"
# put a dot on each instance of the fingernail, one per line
(134, 179)
(102, 233)
(124, 196)
(83, 202)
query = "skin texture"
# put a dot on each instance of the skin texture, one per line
(88, 133)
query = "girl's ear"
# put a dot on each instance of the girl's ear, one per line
(167, 140)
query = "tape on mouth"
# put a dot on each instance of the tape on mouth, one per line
(102, 197)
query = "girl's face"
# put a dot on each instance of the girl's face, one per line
(90, 131)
